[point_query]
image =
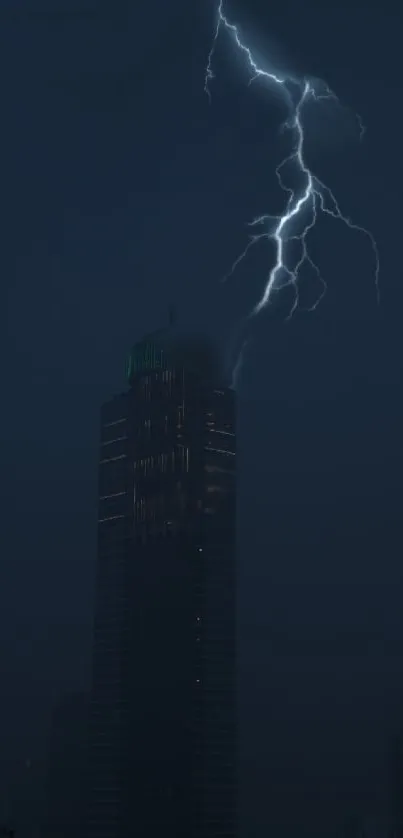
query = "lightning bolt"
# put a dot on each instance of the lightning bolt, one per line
(304, 204)
(237, 368)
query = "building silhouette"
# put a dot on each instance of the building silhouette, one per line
(162, 739)
(354, 828)
(65, 780)
(395, 787)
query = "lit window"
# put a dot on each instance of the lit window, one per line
(116, 422)
(200, 549)
(112, 441)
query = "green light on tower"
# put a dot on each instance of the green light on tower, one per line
(145, 357)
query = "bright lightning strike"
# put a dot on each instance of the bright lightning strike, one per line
(304, 204)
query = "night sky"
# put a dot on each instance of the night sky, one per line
(123, 191)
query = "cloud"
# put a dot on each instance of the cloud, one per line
(96, 12)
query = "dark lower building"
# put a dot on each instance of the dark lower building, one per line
(163, 754)
(395, 788)
(65, 784)
(24, 799)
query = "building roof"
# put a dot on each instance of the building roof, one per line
(169, 347)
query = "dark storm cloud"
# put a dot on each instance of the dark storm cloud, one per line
(53, 16)
(91, 87)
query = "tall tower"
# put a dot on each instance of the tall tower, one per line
(163, 710)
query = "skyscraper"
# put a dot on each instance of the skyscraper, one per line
(163, 710)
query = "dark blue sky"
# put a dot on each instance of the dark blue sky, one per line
(122, 190)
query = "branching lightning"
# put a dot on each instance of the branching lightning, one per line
(307, 201)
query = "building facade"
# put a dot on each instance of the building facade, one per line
(163, 717)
